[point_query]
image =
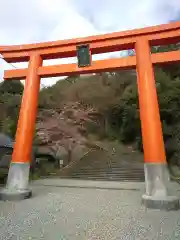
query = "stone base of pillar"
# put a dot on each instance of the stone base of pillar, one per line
(17, 183)
(158, 194)
(168, 203)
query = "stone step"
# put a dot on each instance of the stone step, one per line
(99, 168)
(110, 163)
(107, 174)
(105, 178)
(108, 177)
(110, 167)
(110, 170)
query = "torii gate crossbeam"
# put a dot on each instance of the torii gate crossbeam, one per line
(156, 172)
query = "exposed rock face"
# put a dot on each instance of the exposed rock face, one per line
(62, 155)
(64, 129)
(78, 152)
(5, 140)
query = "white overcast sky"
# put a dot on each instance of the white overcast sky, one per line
(30, 21)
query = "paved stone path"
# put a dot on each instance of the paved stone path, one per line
(66, 209)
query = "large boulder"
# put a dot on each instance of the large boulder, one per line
(6, 150)
(78, 152)
(5, 140)
(45, 153)
(62, 156)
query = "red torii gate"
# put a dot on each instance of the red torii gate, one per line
(156, 173)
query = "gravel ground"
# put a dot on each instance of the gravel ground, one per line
(63, 211)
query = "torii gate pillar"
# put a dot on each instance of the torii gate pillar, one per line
(17, 186)
(155, 164)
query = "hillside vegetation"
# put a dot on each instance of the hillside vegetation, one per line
(107, 102)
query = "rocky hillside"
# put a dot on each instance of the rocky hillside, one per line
(64, 129)
(72, 121)
(65, 126)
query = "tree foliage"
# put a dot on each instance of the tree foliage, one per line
(123, 116)
(10, 99)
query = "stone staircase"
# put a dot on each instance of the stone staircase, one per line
(102, 165)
